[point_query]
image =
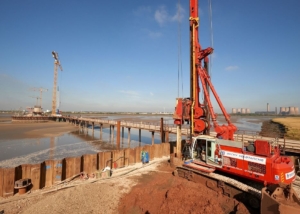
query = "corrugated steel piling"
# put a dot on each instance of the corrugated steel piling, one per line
(50, 172)
(35, 175)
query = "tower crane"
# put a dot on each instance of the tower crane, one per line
(41, 93)
(56, 64)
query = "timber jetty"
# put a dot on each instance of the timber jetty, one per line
(165, 129)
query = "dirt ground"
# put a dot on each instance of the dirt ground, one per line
(151, 189)
(161, 192)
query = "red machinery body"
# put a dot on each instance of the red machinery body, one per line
(267, 168)
(259, 161)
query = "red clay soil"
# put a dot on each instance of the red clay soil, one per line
(161, 192)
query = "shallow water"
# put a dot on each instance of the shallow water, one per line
(74, 144)
(31, 151)
(248, 124)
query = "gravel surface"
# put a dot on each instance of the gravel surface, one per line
(84, 196)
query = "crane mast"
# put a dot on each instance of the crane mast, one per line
(56, 65)
(190, 109)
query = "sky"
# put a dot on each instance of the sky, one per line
(133, 55)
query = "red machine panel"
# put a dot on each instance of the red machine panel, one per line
(262, 147)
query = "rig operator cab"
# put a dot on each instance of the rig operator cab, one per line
(206, 149)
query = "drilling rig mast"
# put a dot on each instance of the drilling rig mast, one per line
(56, 64)
(190, 109)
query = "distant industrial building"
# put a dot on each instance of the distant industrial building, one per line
(240, 111)
(282, 110)
(289, 110)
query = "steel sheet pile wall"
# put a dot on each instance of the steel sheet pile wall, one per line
(35, 173)
(138, 154)
(118, 159)
(90, 163)
(72, 166)
(130, 157)
(51, 172)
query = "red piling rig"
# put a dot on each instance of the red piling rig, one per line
(190, 109)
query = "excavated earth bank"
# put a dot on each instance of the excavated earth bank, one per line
(161, 192)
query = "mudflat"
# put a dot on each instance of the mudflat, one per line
(12, 130)
(21, 130)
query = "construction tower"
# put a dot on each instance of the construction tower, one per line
(56, 64)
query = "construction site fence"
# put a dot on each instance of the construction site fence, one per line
(51, 172)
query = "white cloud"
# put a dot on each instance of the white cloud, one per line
(151, 94)
(162, 16)
(232, 68)
(179, 13)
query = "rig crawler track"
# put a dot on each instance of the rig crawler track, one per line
(223, 184)
(247, 194)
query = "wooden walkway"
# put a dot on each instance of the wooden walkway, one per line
(242, 136)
